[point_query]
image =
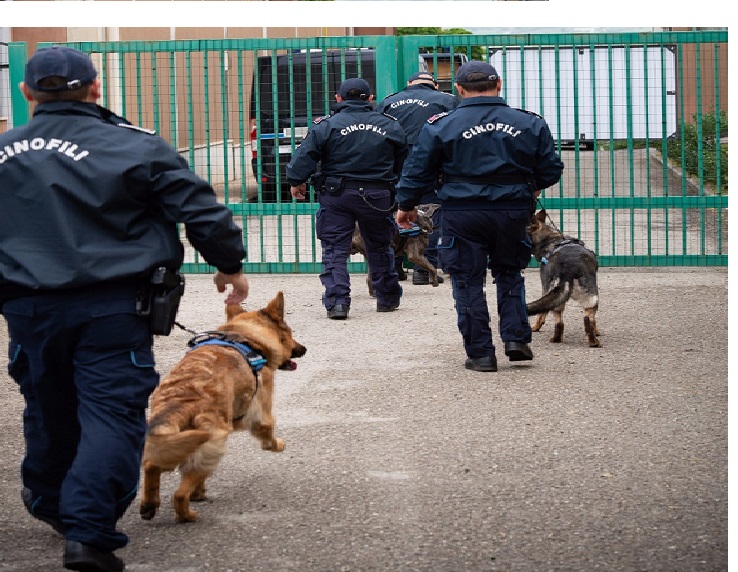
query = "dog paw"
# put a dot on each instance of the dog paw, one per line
(278, 445)
(148, 511)
(189, 516)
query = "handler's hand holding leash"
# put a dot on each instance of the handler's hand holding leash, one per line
(298, 191)
(239, 282)
(406, 219)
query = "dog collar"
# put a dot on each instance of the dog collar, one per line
(255, 360)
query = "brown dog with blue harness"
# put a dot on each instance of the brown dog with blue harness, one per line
(224, 383)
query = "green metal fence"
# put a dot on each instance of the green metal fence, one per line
(637, 118)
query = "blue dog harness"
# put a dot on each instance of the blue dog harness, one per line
(254, 359)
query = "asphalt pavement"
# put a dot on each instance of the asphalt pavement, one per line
(399, 459)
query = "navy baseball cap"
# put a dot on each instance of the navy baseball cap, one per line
(481, 70)
(74, 66)
(355, 83)
(423, 76)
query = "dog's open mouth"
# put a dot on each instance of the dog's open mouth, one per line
(289, 365)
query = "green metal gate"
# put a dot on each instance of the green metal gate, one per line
(640, 120)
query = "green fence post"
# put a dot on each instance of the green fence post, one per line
(386, 80)
(17, 58)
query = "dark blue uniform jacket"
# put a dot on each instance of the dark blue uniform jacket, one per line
(103, 203)
(482, 137)
(356, 142)
(414, 105)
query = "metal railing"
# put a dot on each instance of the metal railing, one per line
(637, 118)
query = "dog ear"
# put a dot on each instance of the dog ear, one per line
(541, 216)
(233, 310)
(275, 308)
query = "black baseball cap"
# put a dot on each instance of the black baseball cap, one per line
(481, 70)
(422, 75)
(59, 61)
(355, 83)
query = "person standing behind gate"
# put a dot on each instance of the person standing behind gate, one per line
(360, 153)
(494, 159)
(412, 107)
(90, 205)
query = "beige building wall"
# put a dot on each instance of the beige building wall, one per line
(178, 125)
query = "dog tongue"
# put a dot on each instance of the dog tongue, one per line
(293, 365)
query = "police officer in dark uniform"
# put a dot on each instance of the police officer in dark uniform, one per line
(494, 159)
(89, 211)
(412, 107)
(360, 153)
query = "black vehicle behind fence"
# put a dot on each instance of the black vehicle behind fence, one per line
(289, 99)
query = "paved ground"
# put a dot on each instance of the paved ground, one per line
(400, 459)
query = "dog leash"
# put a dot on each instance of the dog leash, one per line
(181, 327)
(548, 216)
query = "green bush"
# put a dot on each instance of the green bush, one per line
(689, 142)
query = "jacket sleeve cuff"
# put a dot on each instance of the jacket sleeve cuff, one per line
(406, 206)
(231, 269)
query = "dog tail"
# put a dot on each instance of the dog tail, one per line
(172, 449)
(554, 298)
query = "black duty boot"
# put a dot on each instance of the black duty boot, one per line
(486, 363)
(518, 351)
(388, 307)
(338, 312)
(78, 556)
(420, 277)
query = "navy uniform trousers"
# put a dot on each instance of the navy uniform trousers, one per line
(473, 239)
(334, 225)
(83, 361)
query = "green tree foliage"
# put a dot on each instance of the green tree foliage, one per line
(686, 148)
(477, 52)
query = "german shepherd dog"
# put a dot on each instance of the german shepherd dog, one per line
(413, 245)
(225, 383)
(568, 270)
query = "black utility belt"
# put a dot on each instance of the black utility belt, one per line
(369, 185)
(334, 185)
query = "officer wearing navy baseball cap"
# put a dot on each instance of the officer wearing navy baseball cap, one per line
(104, 198)
(74, 67)
(475, 71)
(422, 76)
(501, 159)
(360, 153)
(355, 88)
(412, 107)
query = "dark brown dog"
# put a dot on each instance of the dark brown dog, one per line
(568, 270)
(413, 246)
(213, 391)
